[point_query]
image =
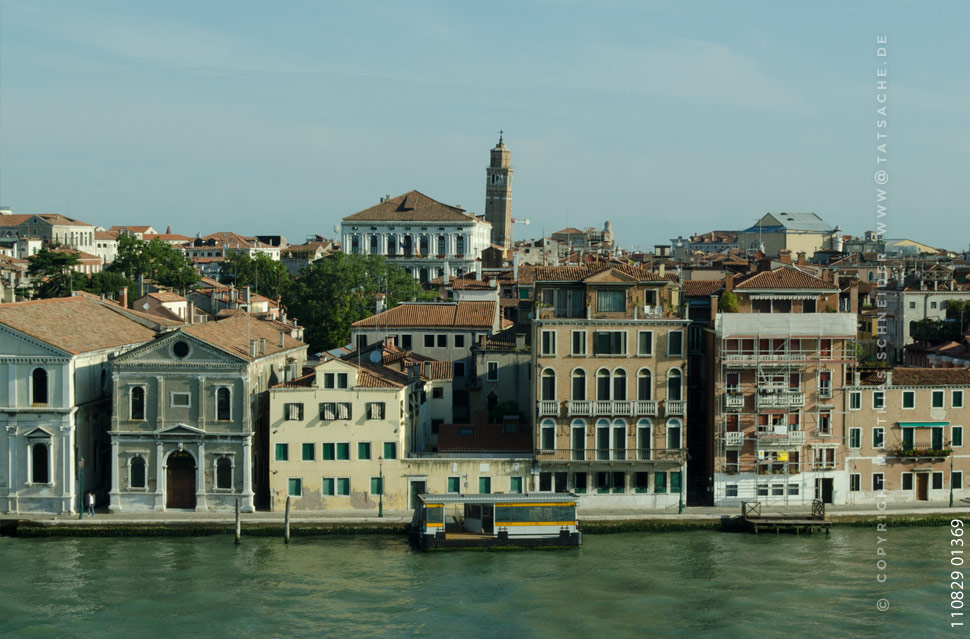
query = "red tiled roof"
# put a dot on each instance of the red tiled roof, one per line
(434, 314)
(233, 334)
(701, 288)
(919, 377)
(74, 324)
(782, 277)
(482, 437)
(413, 206)
(580, 273)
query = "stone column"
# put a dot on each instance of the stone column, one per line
(114, 496)
(200, 479)
(160, 403)
(13, 444)
(66, 451)
(247, 475)
(202, 403)
(159, 476)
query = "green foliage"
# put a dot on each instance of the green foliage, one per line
(156, 260)
(53, 275)
(263, 274)
(500, 410)
(332, 293)
(728, 302)
(110, 283)
(931, 330)
(958, 310)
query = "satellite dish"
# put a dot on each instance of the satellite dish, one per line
(376, 357)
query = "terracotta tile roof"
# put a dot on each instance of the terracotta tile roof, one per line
(918, 377)
(413, 206)
(434, 314)
(62, 220)
(233, 334)
(702, 288)
(106, 235)
(580, 273)
(482, 437)
(74, 324)
(166, 296)
(569, 230)
(782, 277)
(166, 237)
(300, 382)
(131, 229)
(504, 340)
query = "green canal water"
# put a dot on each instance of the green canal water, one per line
(678, 584)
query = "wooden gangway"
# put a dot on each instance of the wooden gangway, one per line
(796, 523)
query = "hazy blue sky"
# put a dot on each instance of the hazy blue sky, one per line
(667, 118)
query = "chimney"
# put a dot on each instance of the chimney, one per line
(713, 309)
(481, 341)
(379, 299)
(520, 341)
(784, 256)
(515, 266)
(252, 348)
(854, 297)
(856, 378)
(389, 341)
(262, 345)
(801, 259)
(889, 377)
(729, 282)
(662, 270)
(123, 297)
(248, 297)
(282, 338)
(478, 268)
(191, 313)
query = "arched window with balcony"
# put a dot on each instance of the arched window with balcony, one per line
(674, 434)
(39, 392)
(619, 384)
(548, 385)
(603, 385)
(675, 385)
(577, 439)
(644, 385)
(602, 439)
(619, 439)
(547, 435)
(578, 385)
(644, 441)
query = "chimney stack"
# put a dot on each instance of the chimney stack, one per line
(379, 299)
(729, 282)
(262, 345)
(801, 259)
(252, 348)
(784, 256)
(520, 341)
(515, 266)
(713, 310)
(478, 268)
(662, 270)
(191, 313)
(123, 297)
(282, 338)
(854, 297)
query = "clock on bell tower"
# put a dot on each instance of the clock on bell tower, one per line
(498, 194)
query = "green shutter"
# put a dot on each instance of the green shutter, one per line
(958, 436)
(328, 452)
(363, 450)
(515, 485)
(675, 481)
(282, 452)
(327, 486)
(375, 486)
(454, 484)
(343, 486)
(343, 451)
(390, 450)
(484, 485)
(308, 450)
(660, 482)
(295, 487)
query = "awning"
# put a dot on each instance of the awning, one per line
(922, 424)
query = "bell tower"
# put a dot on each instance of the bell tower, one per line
(498, 194)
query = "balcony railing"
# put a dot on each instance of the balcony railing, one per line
(645, 408)
(675, 407)
(923, 450)
(579, 407)
(734, 401)
(772, 438)
(782, 400)
(734, 438)
(611, 454)
(549, 408)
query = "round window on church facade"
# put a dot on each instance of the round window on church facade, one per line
(180, 349)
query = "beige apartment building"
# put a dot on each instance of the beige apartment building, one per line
(781, 356)
(609, 385)
(905, 435)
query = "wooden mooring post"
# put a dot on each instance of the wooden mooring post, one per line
(238, 525)
(286, 522)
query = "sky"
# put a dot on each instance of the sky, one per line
(666, 118)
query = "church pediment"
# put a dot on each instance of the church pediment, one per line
(180, 429)
(15, 343)
(610, 276)
(178, 347)
(39, 432)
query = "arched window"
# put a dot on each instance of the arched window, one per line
(578, 439)
(673, 434)
(138, 402)
(548, 385)
(39, 394)
(223, 473)
(644, 433)
(602, 385)
(644, 385)
(547, 435)
(602, 439)
(223, 405)
(442, 246)
(619, 439)
(40, 468)
(619, 385)
(579, 385)
(674, 380)
(136, 476)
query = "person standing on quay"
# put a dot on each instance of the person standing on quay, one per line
(90, 502)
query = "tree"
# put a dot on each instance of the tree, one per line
(109, 283)
(958, 310)
(156, 260)
(261, 273)
(728, 302)
(331, 294)
(53, 274)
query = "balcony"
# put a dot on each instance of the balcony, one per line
(675, 407)
(579, 407)
(646, 408)
(734, 439)
(613, 408)
(783, 400)
(548, 408)
(780, 438)
(733, 401)
(593, 455)
(923, 453)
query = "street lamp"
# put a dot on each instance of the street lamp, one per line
(80, 488)
(380, 470)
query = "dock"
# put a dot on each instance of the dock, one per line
(796, 523)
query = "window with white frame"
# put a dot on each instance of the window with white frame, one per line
(909, 399)
(855, 482)
(335, 410)
(293, 411)
(374, 410)
(578, 385)
(675, 344)
(855, 438)
(855, 400)
(956, 436)
(956, 399)
(937, 480)
(547, 343)
(609, 343)
(547, 435)
(548, 387)
(878, 481)
(673, 434)
(137, 472)
(645, 343)
(878, 399)
(491, 371)
(878, 437)
(578, 343)
(907, 481)
(937, 398)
